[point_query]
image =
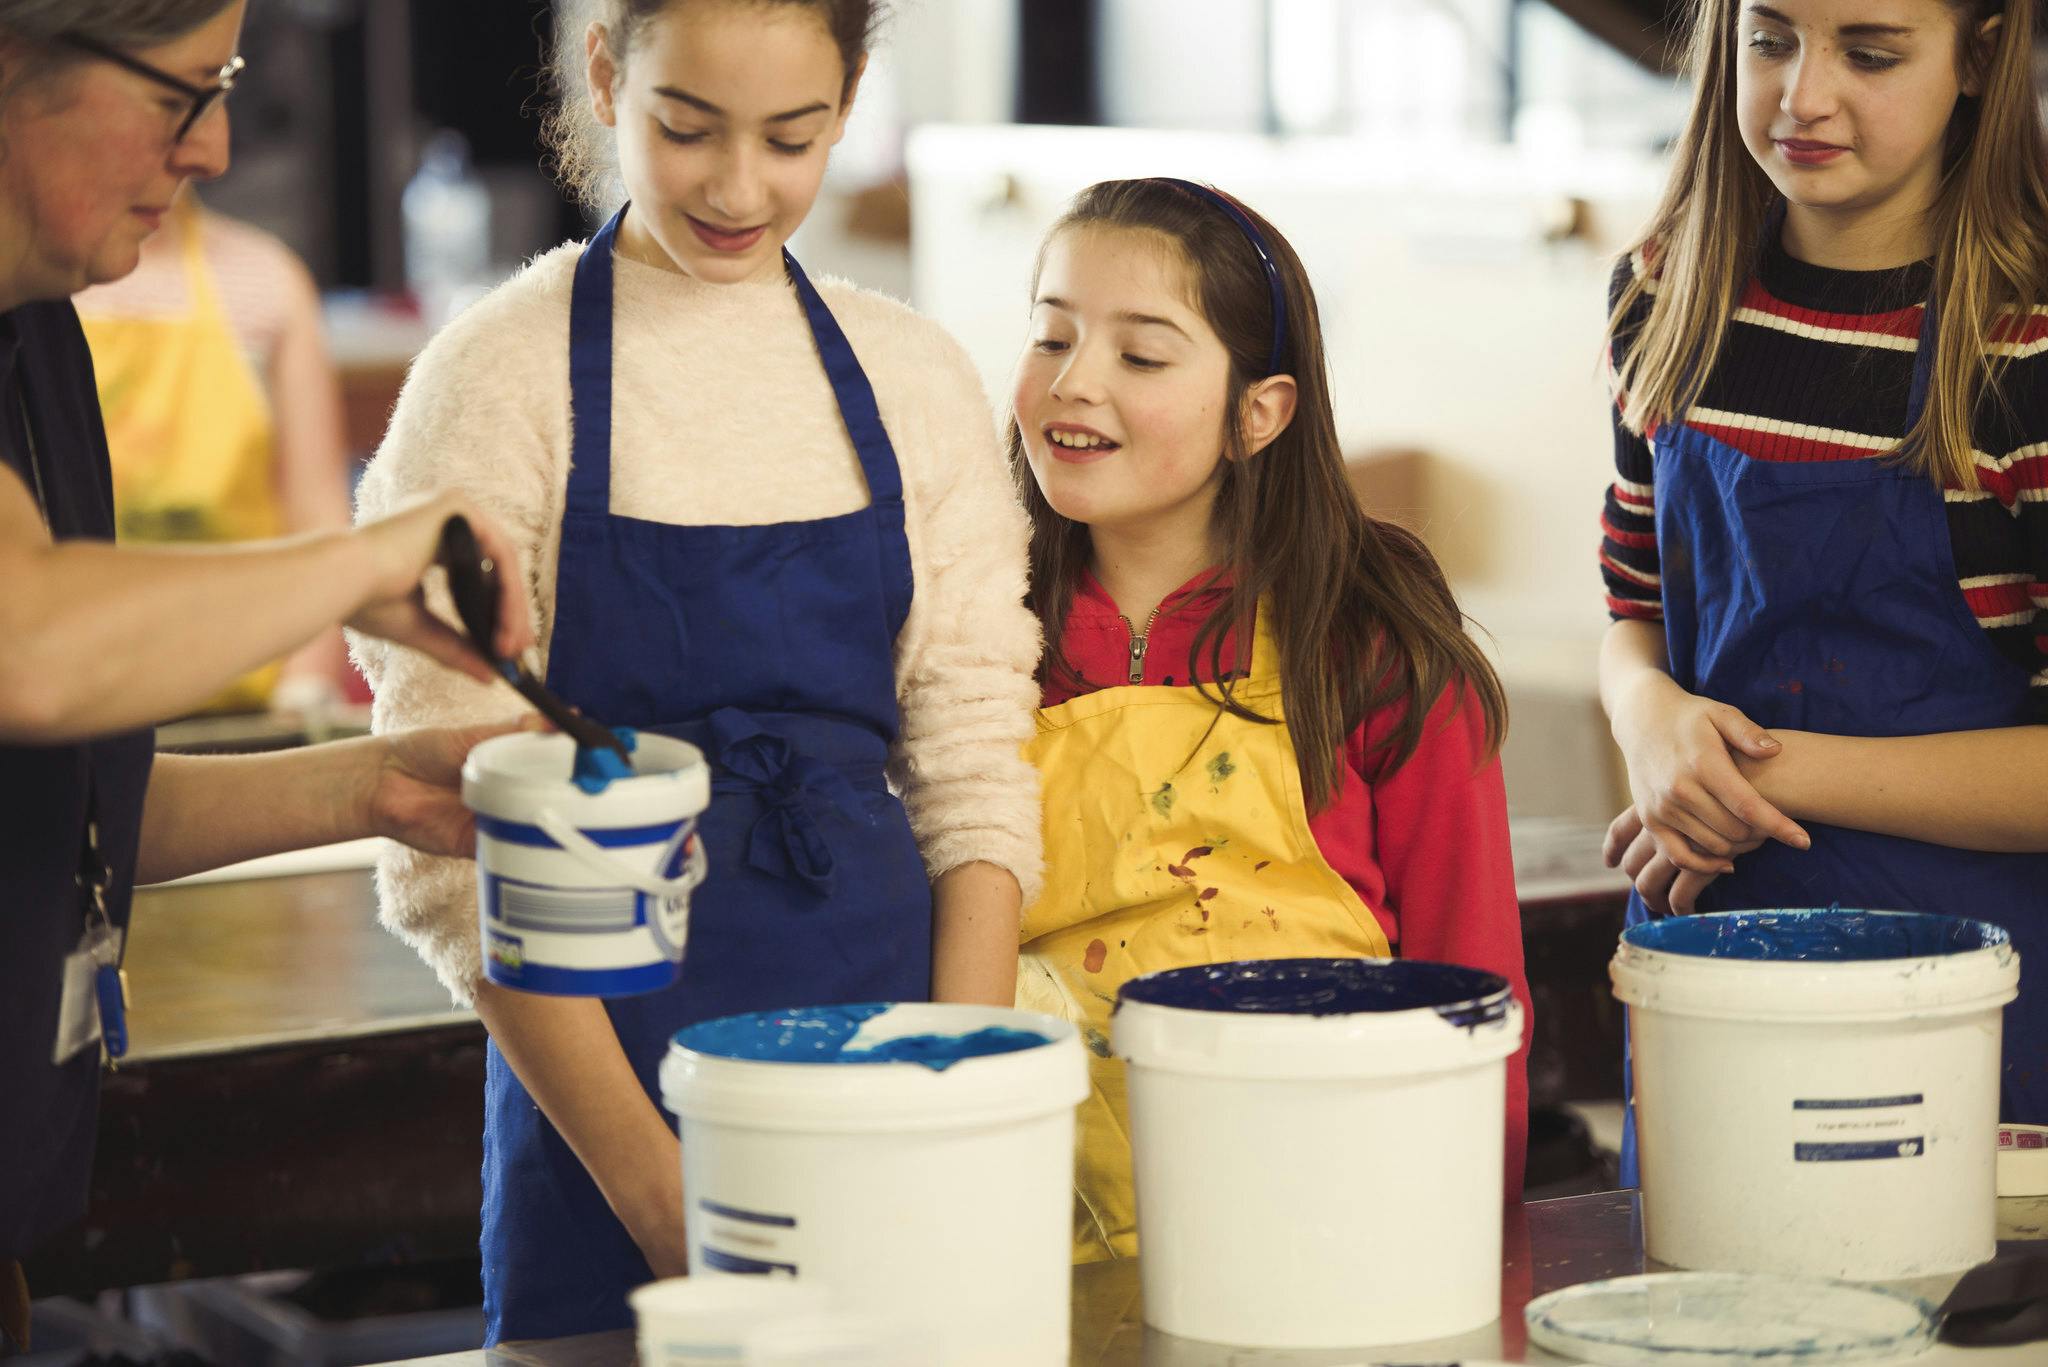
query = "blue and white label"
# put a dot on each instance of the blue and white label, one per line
(1858, 1129)
(747, 1242)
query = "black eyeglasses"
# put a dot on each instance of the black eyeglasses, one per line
(203, 97)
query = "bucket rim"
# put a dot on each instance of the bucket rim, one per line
(882, 1095)
(1259, 987)
(1641, 937)
(678, 1044)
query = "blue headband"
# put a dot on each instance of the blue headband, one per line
(1258, 241)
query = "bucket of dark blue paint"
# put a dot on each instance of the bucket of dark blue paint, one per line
(1318, 1148)
(1817, 1090)
(916, 1158)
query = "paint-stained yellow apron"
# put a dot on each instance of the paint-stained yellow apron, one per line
(189, 430)
(1173, 836)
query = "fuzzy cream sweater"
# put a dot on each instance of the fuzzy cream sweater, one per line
(722, 415)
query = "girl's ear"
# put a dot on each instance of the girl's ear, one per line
(1978, 48)
(602, 73)
(1268, 408)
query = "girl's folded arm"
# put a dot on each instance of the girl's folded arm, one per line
(1970, 790)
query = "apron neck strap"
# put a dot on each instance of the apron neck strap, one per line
(590, 381)
(857, 405)
(590, 375)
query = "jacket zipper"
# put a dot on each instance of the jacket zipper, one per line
(1139, 641)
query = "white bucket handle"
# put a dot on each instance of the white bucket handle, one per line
(620, 871)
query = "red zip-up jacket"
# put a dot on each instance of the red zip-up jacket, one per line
(1426, 848)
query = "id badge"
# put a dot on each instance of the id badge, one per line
(78, 1011)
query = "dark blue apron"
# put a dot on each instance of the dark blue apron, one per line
(771, 648)
(1822, 596)
(49, 1111)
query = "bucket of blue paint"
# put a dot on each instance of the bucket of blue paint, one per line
(1319, 1148)
(584, 879)
(1817, 1090)
(917, 1158)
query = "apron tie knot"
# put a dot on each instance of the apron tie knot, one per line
(786, 841)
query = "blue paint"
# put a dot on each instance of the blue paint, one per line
(1327, 987)
(824, 1034)
(1818, 935)
(596, 768)
(940, 1052)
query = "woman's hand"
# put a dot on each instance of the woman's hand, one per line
(414, 794)
(403, 546)
(1666, 889)
(1692, 800)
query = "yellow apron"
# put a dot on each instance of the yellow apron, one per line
(1175, 834)
(189, 430)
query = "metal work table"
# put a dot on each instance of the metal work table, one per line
(299, 1093)
(1552, 1244)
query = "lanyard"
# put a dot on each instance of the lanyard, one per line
(93, 878)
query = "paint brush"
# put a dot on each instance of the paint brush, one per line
(473, 584)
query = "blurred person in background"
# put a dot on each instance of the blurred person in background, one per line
(223, 413)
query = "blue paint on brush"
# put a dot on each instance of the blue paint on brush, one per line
(1327, 987)
(825, 1034)
(1816, 935)
(596, 768)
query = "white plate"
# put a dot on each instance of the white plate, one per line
(1714, 1319)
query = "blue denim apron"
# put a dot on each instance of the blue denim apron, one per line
(771, 648)
(1822, 596)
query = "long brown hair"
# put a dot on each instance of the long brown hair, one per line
(1362, 615)
(1989, 221)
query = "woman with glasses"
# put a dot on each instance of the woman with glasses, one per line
(107, 108)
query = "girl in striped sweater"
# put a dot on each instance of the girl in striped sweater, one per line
(1826, 547)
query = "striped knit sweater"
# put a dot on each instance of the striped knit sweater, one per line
(1818, 366)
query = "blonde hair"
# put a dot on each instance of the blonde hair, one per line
(1989, 220)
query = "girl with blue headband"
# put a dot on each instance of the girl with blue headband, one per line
(1264, 731)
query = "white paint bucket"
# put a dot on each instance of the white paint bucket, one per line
(938, 1193)
(1816, 1091)
(707, 1321)
(584, 893)
(1318, 1148)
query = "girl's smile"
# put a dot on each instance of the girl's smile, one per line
(1078, 443)
(734, 240)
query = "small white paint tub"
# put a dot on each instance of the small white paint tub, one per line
(917, 1158)
(584, 893)
(1318, 1148)
(1816, 1090)
(708, 1321)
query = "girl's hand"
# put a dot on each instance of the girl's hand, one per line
(401, 547)
(1666, 889)
(1692, 800)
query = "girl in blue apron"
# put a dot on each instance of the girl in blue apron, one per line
(1826, 552)
(765, 516)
